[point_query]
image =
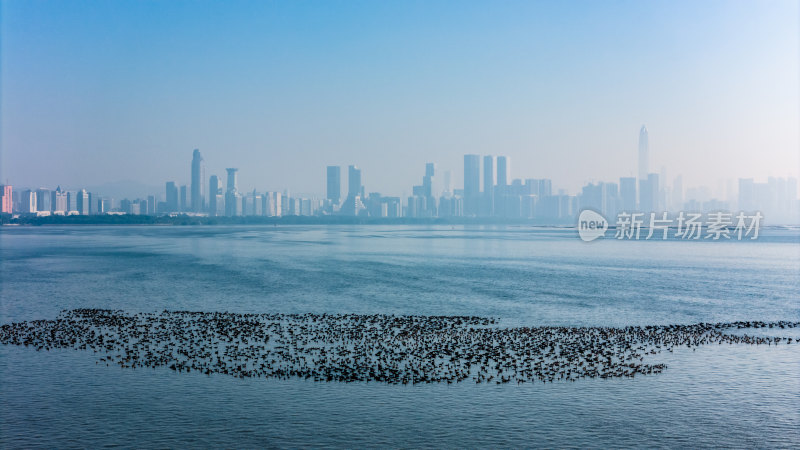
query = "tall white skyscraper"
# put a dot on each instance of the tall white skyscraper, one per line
(644, 154)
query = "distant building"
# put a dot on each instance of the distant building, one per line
(152, 205)
(610, 204)
(82, 202)
(233, 200)
(306, 207)
(103, 205)
(591, 197)
(776, 199)
(219, 205)
(446, 186)
(627, 193)
(172, 204)
(354, 181)
(428, 189)
(502, 171)
(72, 202)
(545, 187)
(253, 205)
(644, 154)
(233, 204)
(198, 181)
(487, 208)
(138, 207)
(648, 194)
(353, 205)
(272, 204)
(233, 179)
(472, 180)
(59, 201)
(423, 201)
(6, 199)
(559, 207)
(334, 185)
(28, 202)
(451, 206)
(286, 201)
(215, 197)
(44, 199)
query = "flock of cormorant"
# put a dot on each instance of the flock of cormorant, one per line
(384, 348)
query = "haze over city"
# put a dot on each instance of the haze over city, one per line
(399, 223)
(103, 92)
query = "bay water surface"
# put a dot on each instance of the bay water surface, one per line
(727, 395)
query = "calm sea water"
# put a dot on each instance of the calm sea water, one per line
(714, 396)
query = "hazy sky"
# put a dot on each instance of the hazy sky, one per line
(100, 91)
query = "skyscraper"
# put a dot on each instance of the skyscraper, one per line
(28, 203)
(233, 182)
(152, 204)
(172, 196)
(72, 201)
(198, 180)
(429, 179)
(101, 207)
(44, 199)
(545, 187)
(6, 199)
(644, 154)
(627, 193)
(422, 203)
(353, 205)
(83, 202)
(502, 171)
(214, 195)
(233, 201)
(488, 186)
(59, 201)
(472, 184)
(334, 193)
(648, 194)
(353, 181)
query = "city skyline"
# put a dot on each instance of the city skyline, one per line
(489, 191)
(498, 173)
(561, 90)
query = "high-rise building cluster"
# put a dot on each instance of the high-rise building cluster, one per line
(488, 192)
(357, 202)
(44, 201)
